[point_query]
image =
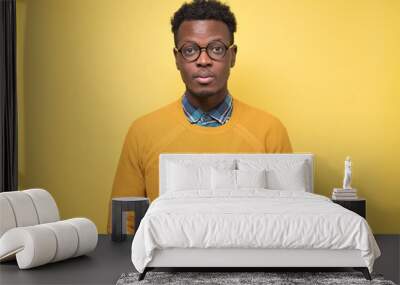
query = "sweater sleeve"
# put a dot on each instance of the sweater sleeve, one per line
(129, 177)
(277, 139)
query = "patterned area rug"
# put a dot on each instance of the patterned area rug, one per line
(243, 278)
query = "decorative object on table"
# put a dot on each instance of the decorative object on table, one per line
(347, 192)
(31, 231)
(358, 205)
(347, 173)
(122, 205)
(243, 278)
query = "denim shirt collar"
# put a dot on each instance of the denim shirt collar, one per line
(221, 113)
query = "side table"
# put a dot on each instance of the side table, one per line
(357, 205)
(123, 204)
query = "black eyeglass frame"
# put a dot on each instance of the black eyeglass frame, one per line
(205, 49)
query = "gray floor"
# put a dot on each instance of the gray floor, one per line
(110, 260)
(389, 262)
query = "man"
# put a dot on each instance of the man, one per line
(206, 118)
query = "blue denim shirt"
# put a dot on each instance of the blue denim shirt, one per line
(213, 118)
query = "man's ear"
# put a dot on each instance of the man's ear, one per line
(176, 58)
(234, 50)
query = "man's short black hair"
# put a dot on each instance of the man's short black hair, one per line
(204, 10)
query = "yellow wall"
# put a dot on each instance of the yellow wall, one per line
(328, 69)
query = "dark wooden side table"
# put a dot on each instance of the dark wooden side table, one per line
(124, 204)
(358, 206)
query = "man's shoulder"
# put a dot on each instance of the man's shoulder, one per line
(251, 114)
(163, 116)
(265, 126)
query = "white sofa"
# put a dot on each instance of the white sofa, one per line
(31, 231)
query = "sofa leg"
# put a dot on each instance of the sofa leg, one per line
(143, 274)
(364, 271)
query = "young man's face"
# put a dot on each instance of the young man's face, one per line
(205, 77)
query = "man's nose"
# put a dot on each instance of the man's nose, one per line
(204, 59)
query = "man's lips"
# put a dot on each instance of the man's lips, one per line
(204, 78)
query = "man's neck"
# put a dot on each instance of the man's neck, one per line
(206, 103)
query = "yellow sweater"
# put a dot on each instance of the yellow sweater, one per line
(167, 130)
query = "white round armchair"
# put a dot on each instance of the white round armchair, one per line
(31, 230)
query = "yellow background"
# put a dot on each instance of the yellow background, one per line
(330, 70)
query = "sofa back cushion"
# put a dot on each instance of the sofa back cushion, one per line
(26, 208)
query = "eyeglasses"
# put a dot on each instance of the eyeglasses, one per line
(216, 50)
